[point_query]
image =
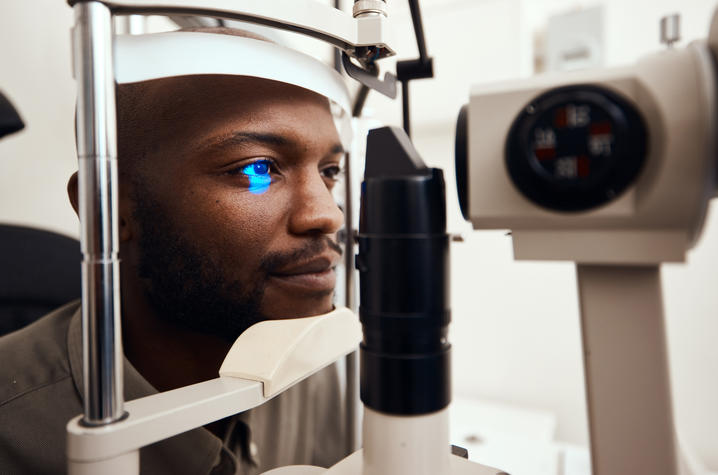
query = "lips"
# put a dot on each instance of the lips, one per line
(317, 265)
(316, 275)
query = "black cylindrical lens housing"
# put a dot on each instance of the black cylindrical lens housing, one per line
(404, 308)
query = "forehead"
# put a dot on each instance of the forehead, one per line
(196, 108)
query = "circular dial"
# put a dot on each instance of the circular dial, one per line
(575, 148)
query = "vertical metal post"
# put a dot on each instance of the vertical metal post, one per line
(405, 107)
(136, 24)
(337, 52)
(626, 369)
(97, 180)
(351, 360)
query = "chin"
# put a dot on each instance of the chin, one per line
(297, 308)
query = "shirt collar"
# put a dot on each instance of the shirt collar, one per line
(135, 385)
(200, 447)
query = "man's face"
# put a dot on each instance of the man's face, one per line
(232, 204)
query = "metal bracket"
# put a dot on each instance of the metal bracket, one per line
(387, 86)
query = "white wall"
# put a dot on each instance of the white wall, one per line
(35, 73)
(515, 331)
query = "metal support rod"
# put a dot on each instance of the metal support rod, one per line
(337, 54)
(352, 416)
(411, 69)
(418, 29)
(626, 370)
(97, 182)
(136, 24)
(360, 100)
(351, 360)
(405, 106)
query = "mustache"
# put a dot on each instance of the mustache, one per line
(276, 261)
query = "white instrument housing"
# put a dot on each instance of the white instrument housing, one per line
(659, 217)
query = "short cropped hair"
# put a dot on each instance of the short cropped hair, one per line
(142, 109)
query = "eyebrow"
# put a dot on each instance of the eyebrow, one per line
(243, 138)
(337, 148)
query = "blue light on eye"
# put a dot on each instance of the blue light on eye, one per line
(259, 178)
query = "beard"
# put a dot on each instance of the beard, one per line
(188, 288)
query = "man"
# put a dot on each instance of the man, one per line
(226, 218)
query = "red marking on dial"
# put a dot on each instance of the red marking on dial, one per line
(546, 153)
(584, 166)
(600, 128)
(559, 119)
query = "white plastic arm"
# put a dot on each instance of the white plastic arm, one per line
(160, 416)
(271, 356)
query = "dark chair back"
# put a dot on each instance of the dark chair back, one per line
(39, 271)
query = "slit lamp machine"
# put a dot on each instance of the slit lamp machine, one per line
(612, 169)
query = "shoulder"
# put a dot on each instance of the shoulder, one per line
(36, 356)
(37, 395)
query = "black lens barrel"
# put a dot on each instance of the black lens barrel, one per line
(403, 263)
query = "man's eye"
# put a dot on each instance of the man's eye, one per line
(257, 169)
(332, 172)
(258, 173)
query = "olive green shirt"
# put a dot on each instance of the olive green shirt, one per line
(41, 390)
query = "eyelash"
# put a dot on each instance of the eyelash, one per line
(271, 167)
(332, 173)
(337, 171)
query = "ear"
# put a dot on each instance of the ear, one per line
(124, 214)
(124, 207)
(72, 193)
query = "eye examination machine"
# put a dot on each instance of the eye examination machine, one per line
(611, 169)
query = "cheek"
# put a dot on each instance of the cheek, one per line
(240, 223)
(248, 217)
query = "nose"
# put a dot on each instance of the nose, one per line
(313, 209)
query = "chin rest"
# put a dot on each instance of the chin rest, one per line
(279, 353)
